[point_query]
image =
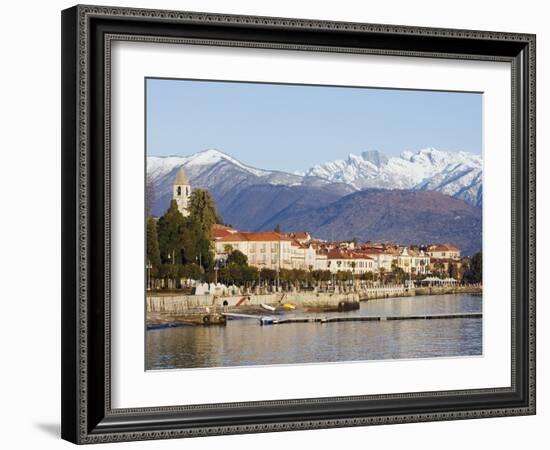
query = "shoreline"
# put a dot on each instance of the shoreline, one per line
(173, 310)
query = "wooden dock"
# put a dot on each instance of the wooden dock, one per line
(274, 320)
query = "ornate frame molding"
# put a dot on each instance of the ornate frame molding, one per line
(84, 423)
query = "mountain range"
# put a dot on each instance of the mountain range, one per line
(430, 195)
(458, 174)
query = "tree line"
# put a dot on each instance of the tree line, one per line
(181, 247)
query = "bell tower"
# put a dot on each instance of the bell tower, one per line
(182, 192)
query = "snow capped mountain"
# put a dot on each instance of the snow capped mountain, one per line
(158, 166)
(458, 174)
(227, 178)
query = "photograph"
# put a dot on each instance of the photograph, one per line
(299, 224)
(272, 222)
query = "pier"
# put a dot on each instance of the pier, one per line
(274, 320)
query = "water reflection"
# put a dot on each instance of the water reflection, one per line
(245, 343)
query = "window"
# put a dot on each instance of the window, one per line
(179, 191)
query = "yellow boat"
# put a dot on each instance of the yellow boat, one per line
(289, 306)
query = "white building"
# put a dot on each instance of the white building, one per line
(383, 259)
(303, 256)
(412, 261)
(443, 251)
(181, 192)
(345, 260)
(264, 249)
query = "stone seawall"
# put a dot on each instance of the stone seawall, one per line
(400, 290)
(180, 304)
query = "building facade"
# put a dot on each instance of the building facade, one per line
(265, 250)
(446, 251)
(349, 261)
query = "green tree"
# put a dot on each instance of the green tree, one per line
(205, 253)
(191, 271)
(398, 273)
(474, 272)
(367, 276)
(153, 252)
(382, 272)
(477, 267)
(268, 275)
(170, 235)
(237, 257)
(149, 194)
(249, 275)
(170, 272)
(202, 209)
(439, 267)
(343, 276)
(453, 271)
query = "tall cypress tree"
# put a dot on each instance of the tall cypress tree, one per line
(153, 252)
(171, 228)
(477, 267)
(202, 208)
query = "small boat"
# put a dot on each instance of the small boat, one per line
(267, 320)
(289, 306)
(267, 307)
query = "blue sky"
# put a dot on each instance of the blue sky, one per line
(293, 127)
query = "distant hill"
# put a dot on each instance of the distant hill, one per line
(404, 216)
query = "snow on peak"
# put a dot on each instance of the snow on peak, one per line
(210, 156)
(375, 157)
(161, 165)
(456, 171)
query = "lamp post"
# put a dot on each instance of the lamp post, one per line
(168, 275)
(149, 267)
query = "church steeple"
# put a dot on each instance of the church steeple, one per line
(182, 192)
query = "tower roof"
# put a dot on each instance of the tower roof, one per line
(181, 178)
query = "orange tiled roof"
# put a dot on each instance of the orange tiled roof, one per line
(341, 254)
(219, 231)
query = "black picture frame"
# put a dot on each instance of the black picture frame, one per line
(87, 415)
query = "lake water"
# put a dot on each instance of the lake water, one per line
(246, 343)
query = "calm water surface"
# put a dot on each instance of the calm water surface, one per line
(245, 342)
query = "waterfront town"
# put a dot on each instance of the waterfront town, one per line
(279, 251)
(197, 265)
(299, 250)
